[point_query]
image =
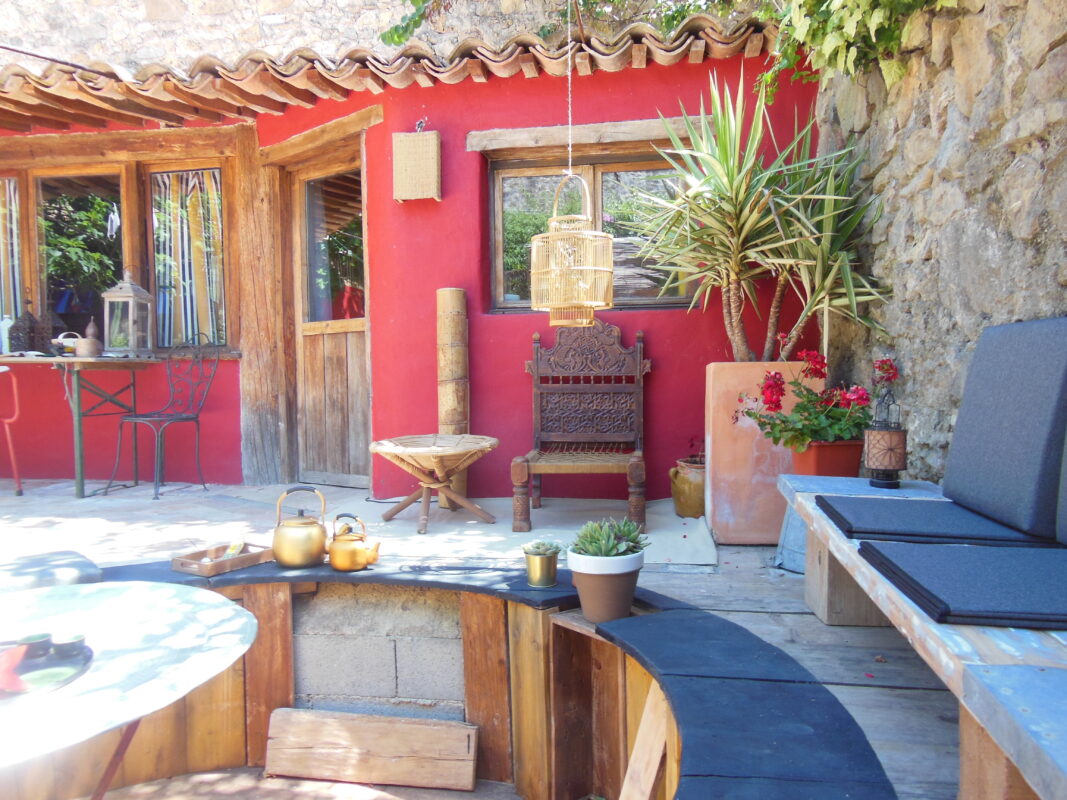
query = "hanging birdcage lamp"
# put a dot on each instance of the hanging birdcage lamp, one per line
(571, 266)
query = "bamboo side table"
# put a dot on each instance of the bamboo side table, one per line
(433, 459)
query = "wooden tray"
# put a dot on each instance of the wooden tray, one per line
(194, 564)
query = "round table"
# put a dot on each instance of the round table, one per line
(152, 644)
(433, 459)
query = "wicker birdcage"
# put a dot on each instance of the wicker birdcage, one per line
(571, 265)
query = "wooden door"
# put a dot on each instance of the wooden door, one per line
(333, 381)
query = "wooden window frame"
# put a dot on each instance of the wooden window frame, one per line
(592, 168)
(230, 285)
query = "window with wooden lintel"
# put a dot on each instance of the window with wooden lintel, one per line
(522, 202)
(10, 244)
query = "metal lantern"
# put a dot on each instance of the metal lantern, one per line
(571, 266)
(886, 444)
(128, 319)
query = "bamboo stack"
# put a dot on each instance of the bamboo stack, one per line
(453, 382)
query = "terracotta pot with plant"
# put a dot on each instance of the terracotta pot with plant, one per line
(739, 221)
(541, 562)
(824, 429)
(687, 483)
(604, 561)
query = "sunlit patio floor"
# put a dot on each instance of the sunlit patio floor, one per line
(910, 719)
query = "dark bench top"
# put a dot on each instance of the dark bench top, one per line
(753, 722)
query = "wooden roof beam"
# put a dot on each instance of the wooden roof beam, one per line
(476, 70)
(200, 101)
(96, 108)
(17, 122)
(583, 64)
(639, 56)
(270, 83)
(175, 107)
(41, 113)
(231, 92)
(529, 65)
(325, 86)
(371, 80)
(696, 51)
(422, 77)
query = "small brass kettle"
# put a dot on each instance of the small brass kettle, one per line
(348, 550)
(300, 541)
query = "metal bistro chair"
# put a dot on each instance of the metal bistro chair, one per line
(7, 422)
(191, 369)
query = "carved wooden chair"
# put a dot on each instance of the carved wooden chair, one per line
(588, 415)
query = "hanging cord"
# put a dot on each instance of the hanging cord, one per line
(570, 112)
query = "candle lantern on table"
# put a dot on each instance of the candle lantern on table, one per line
(128, 319)
(886, 444)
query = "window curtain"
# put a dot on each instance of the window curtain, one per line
(10, 292)
(188, 257)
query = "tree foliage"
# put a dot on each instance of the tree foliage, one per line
(80, 253)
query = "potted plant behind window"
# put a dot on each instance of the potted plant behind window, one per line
(824, 429)
(739, 222)
(541, 558)
(604, 561)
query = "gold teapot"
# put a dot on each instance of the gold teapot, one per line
(348, 550)
(300, 541)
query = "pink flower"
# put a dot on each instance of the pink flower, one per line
(854, 396)
(885, 371)
(830, 397)
(814, 364)
(773, 390)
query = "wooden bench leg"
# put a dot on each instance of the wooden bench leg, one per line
(985, 772)
(535, 493)
(635, 478)
(832, 594)
(520, 499)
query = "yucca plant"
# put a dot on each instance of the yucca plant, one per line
(737, 217)
(609, 537)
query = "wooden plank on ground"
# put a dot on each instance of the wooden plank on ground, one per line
(638, 683)
(609, 718)
(529, 632)
(650, 748)
(483, 620)
(362, 748)
(268, 664)
(571, 715)
(215, 722)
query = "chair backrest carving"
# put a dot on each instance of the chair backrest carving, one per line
(589, 388)
(191, 368)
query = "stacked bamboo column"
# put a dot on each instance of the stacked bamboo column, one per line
(453, 383)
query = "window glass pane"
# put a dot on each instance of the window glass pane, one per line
(527, 203)
(10, 283)
(81, 230)
(188, 256)
(635, 279)
(335, 278)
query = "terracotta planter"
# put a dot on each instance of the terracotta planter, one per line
(741, 498)
(687, 487)
(840, 459)
(605, 584)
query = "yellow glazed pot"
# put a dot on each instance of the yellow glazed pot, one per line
(687, 487)
(300, 541)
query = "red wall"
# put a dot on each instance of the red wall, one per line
(416, 247)
(44, 443)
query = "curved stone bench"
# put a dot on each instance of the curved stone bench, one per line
(752, 722)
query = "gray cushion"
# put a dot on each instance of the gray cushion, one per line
(1007, 448)
(58, 568)
(931, 521)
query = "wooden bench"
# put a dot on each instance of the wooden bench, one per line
(588, 415)
(1011, 683)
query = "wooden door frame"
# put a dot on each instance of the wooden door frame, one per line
(297, 178)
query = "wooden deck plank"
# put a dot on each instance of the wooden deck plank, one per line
(483, 620)
(529, 634)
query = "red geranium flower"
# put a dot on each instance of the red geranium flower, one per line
(885, 371)
(830, 397)
(854, 396)
(814, 364)
(773, 390)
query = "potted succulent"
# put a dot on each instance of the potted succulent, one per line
(604, 561)
(541, 558)
(824, 429)
(746, 230)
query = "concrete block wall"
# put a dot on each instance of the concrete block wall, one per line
(379, 650)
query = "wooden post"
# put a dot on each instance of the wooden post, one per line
(453, 383)
(268, 663)
(484, 622)
(985, 772)
(831, 593)
(529, 637)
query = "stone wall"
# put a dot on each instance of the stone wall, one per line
(379, 650)
(135, 33)
(969, 157)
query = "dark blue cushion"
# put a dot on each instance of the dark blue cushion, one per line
(1061, 516)
(720, 788)
(928, 521)
(1007, 447)
(1019, 587)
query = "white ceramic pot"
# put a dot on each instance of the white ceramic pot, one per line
(605, 584)
(604, 565)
